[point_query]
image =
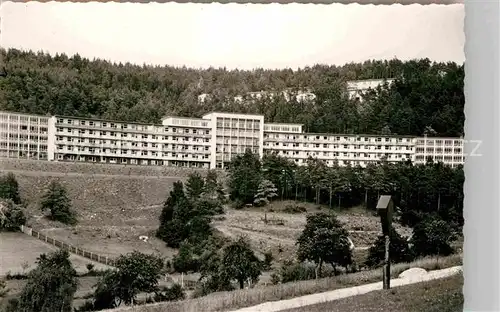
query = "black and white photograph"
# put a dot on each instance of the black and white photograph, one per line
(190, 157)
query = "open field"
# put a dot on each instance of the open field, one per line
(442, 295)
(363, 226)
(113, 236)
(19, 248)
(228, 301)
(98, 197)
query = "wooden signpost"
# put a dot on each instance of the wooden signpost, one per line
(385, 209)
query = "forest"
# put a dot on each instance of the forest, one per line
(417, 190)
(426, 97)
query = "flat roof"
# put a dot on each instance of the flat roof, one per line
(363, 135)
(25, 114)
(108, 120)
(281, 124)
(230, 113)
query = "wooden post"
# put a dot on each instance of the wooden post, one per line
(385, 209)
(387, 265)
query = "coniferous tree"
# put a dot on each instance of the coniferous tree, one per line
(57, 202)
(9, 188)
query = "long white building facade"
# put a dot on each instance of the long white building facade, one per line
(207, 142)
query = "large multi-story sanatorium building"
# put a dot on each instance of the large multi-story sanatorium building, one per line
(207, 142)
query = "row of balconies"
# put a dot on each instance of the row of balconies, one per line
(165, 149)
(439, 150)
(31, 140)
(341, 148)
(16, 144)
(341, 142)
(91, 125)
(103, 134)
(121, 143)
(175, 156)
(24, 148)
(348, 156)
(451, 142)
(16, 130)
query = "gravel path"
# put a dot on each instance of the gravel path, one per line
(298, 302)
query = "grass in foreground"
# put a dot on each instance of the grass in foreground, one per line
(442, 295)
(226, 301)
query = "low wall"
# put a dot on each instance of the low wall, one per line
(95, 168)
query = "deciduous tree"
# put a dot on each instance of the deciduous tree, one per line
(324, 240)
(51, 285)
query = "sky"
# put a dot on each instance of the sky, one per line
(241, 36)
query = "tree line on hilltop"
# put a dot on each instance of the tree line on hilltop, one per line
(425, 95)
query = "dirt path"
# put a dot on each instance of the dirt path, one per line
(298, 302)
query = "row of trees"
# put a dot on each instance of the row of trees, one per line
(324, 240)
(185, 223)
(417, 190)
(424, 94)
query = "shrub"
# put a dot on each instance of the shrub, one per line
(172, 293)
(86, 307)
(3, 288)
(294, 209)
(185, 260)
(11, 216)
(268, 259)
(432, 236)
(238, 204)
(399, 250)
(16, 276)
(93, 272)
(296, 272)
(12, 305)
(209, 207)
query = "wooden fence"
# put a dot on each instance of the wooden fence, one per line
(70, 248)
